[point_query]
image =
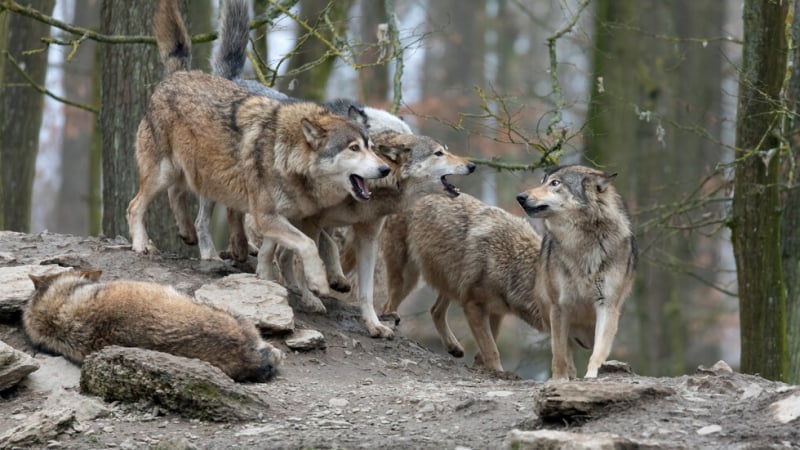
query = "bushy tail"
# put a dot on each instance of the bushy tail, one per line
(174, 44)
(229, 55)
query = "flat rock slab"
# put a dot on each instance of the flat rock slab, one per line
(564, 440)
(565, 400)
(189, 387)
(305, 340)
(263, 302)
(14, 366)
(17, 287)
(788, 409)
(38, 428)
(55, 372)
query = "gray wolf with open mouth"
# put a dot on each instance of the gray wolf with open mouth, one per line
(278, 161)
(571, 282)
(419, 165)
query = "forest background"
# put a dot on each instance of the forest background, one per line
(692, 103)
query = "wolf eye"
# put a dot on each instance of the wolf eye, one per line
(554, 183)
(439, 153)
(355, 147)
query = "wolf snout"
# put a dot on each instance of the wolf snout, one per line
(384, 171)
(471, 168)
(522, 198)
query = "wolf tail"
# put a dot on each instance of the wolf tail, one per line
(174, 44)
(234, 28)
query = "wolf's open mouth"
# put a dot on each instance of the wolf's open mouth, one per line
(359, 187)
(449, 187)
(534, 210)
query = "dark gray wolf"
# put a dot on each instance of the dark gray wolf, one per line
(420, 165)
(572, 282)
(276, 160)
(73, 314)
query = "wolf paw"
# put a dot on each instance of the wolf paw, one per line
(147, 249)
(190, 239)
(459, 353)
(380, 331)
(311, 303)
(391, 317)
(340, 284)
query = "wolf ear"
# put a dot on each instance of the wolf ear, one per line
(93, 275)
(603, 180)
(357, 115)
(391, 152)
(312, 131)
(38, 282)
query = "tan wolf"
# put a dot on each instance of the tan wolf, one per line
(419, 165)
(280, 161)
(74, 314)
(572, 282)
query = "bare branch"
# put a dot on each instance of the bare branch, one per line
(397, 50)
(45, 91)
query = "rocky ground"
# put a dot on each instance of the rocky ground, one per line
(359, 392)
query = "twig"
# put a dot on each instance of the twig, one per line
(391, 20)
(43, 90)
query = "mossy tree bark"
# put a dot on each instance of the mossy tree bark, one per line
(756, 221)
(21, 113)
(130, 73)
(790, 214)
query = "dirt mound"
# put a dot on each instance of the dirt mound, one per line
(361, 392)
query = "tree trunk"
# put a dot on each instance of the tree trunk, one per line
(71, 212)
(130, 73)
(200, 12)
(310, 84)
(790, 213)
(756, 205)
(21, 114)
(374, 79)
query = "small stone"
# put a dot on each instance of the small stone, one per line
(14, 366)
(306, 340)
(786, 410)
(338, 402)
(499, 394)
(720, 368)
(710, 429)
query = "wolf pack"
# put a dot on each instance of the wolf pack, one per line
(289, 172)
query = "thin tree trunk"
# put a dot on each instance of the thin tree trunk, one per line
(790, 216)
(310, 84)
(756, 219)
(374, 79)
(21, 114)
(130, 73)
(200, 12)
(71, 212)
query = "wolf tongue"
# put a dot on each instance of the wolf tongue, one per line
(362, 185)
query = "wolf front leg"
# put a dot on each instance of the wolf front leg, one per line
(282, 232)
(559, 335)
(366, 246)
(329, 252)
(605, 329)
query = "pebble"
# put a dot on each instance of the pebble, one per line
(338, 402)
(710, 429)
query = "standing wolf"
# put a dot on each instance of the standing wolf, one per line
(278, 161)
(71, 313)
(419, 165)
(572, 282)
(588, 260)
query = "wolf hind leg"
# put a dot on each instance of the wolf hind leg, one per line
(439, 316)
(495, 320)
(202, 224)
(478, 320)
(179, 203)
(154, 178)
(329, 252)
